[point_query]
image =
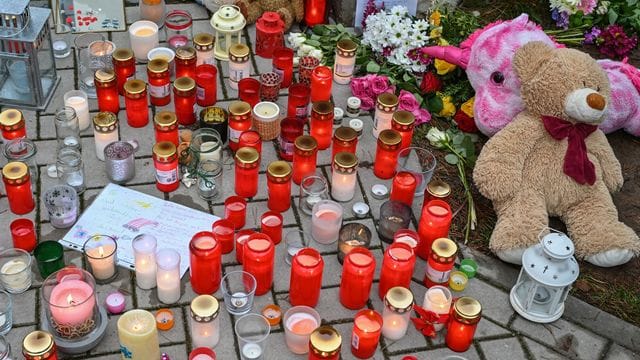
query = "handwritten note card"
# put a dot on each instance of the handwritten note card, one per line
(124, 213)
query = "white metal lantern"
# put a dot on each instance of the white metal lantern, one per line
(27, 67)
(228, 23)
(548, 271)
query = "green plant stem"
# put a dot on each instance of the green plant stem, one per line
(470, 223)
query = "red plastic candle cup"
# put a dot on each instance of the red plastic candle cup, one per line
(258, 256)
(202, 353)
(283, 65)
(107, 90)
(345, 139)
(239, 121)
(17, 184)
(279, 187)
(321, 125)
(440, 263)
(165, 125)
(407, 236)
(403, 187)
(403, 122)
(465, 315)
(270, 84)
(387, 154)
(305, 68)
(321, 81)
(159, 82)
(435, 222)
(205, 264)
(165, 161)
(246, 172)
(298, 101)
(224, 231)
(397, 267)
(306, 278)
(124, 64)
(367, 328)
(241, 237)
(251, 138)
(314, 12)
(271, 224)
(249, 91)
(290, 129)
(136, 103)
(186, 61)
(23, 234)
(235, 210)
(12, 124)
(184, 100)
(305, 155)
(206, 81)
(357, 276)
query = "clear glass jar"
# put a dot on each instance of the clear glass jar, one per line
(67, 128)
(23, 150)
(203, 42)
(178, 27)
(5, 349)
(313, 188)
(209, 179)
(71, 169)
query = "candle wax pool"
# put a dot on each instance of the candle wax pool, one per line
(144, 31)
(271, 221)
(400, 253)
(202, 357)
(360, 259)
(366, 324)
(301, 323)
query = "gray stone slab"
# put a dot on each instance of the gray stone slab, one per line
(441, 353)
(617, 352)
(542, 352)
(503, 349)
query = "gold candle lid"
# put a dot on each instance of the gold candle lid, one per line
(135, 86)
(279, 169)
(389, 137)
(322, 107)
(347, 45)
(204, 308)
(122, 54)
(213, 115)
(399, 299)
(345, 161)
(15, 172)
(105, 122)
(239, 108)
(164, 151)
(185, 53)
(239, 52)
(387, 100)
(203, 41)
(345, 133)
(403, 117)
(438, 188)
(325, 341)
(247, 155)
(10, 118)
(444, 248)
(467, 309)
(184, 85)
(103, 76)
(158, 66)
(306, 143)
(165, 119)
(38, 343)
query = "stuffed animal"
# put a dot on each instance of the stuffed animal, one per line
(552, 160)
(290, 11)
(487, 57)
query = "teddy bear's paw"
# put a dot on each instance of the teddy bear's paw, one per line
(512, 256)
(613, 257)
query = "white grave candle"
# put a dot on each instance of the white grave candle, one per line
(168, 275)
(144, 252)
(77, 99)
(438, 300)
(143, 36)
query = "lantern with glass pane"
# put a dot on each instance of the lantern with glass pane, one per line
(548, 270)
(27, 67)
(228, 23)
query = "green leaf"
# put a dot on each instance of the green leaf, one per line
(406, 77)
(314, 43)
(373, 67)
(418, 97)
(434, 104)
(451, 159)
(613, 16)
(632, 2)
(457, 138)
(340, 28)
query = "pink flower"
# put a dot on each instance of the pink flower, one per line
(379, 84)
(367, 103)
(422, 116)
(408, 102)
(587, 6)
(358, 88)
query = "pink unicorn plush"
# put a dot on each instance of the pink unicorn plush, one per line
(487, 58)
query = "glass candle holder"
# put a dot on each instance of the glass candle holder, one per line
(403, 122)
(224, 231)
(93, 52)
(305, 68)
(420, 162)
(266, 122)
(258, 259)
(313, 189)
(271, 225)
(315, 12)
(345, 62)
(321, 81)
(387, 154)
(152, 10)
(386, 105)
(138, 335)
(105, 131)
(159, 82)
(235, 210)
(120, 162)
(67, 128)
(6, 313)
(434, 223)
(290, 129)
(124, 65)
(441, 262)
(367, 328)
(438, 299)
(321, 125)
(304, 157)
(279, 187)
(70, 305)
(246, 171)
(240, 120)
(325, 343)
(204, 43)
(403, 188)
(70, 169)
(215, 118)
(184, 100)
(15, 270)
(283, 65)
(345, 139)
(295, 240)
(466, 314)
(205, 262)
(357, 276)
(144, 254)
(270, 84)
(204, 322)
(178, 28)
(298, 101)
(25, 151)
(168, 275)
(100, 251)
(165, 161)
(306, 278)
(352, 235)
(252, 139)
(299, 322)
(17, 185)
(165, 124)
(252, 331)
(326, 220)
(398, 303)
(344, 176)
(249, 91)
(135, 100)
(186, 62)
(393, 217)
(49, 257)
(397, 267)
(270, 30)
(12, 124)
(23, 234)
(143, 36)
(62, 204)
(107, 90)
(241, 237)
(209, 179)
(239, 65)
(238, 289)
(206, 81)
(205, 145)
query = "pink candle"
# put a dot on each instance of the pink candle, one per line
(72, 302)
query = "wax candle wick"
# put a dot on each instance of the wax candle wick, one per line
(101, 251)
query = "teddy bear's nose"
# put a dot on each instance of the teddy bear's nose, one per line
(596, 101)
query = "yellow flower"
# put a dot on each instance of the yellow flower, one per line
(434, 18)
(448, 109)
(435, 33)
(467, 107)
(443, 67)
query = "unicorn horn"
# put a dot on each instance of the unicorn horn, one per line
(450, 54)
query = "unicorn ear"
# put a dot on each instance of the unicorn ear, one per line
(530, 57)
(450, 54)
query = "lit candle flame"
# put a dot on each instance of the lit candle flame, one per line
(70, 299)
(101, 251)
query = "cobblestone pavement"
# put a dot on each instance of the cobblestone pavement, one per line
(584, 332)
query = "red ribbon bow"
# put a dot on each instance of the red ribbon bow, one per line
(426, 319)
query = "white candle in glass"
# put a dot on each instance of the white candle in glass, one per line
(438, 300)
(207, 154)
(16, 275)
(77, 99)
(105, 131)
(102, 260)
(386, 105)
(395, 325)
(143, 36)
(326, 220)
(299, 324)
(266, 111)
(138, 335)
(204, 321)
(344, 176)
(168, 275)
(144, 252)
(345, 61)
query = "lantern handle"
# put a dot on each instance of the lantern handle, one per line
(550, 229)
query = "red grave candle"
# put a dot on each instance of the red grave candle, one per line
(224, 231)
(235, 210)
(257, 259)
(279, 187)
(403, 187)
(23, 234)
(384, 166)
(249, 91)
(403, 122)
(12, 124)
(39, 345)
(290, 129)
(205, 266)
(271, 225)
(440, 263)
(135, 101)
(241, 238)
(465, 315)
(283, 65)
(159, 82)
(239, 122)
(325, 343)
(367, 328)
(314, 12)
(184, 100)
(124, 65)
(247, 167)
(206, 79)
(165, 125)
(305, 153)
(397, 267)
(306, 278)
(321, 125)
(321, 81)
(408, 237)
(357, 275)
(17, 185)
(269, 34)
(298, 101)
(252, 139)
(345, 139)
(186, 61)
(107, 90)
(165, 160)
(435, 222)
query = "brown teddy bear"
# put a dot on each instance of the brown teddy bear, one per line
(289, 10)
(552, 160)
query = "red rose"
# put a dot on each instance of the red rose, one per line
(465, 122)
(430, 83)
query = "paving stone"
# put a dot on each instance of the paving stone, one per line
(15, 337)
(542, 352)
(617, 352)
(503, 349)
(441, 353)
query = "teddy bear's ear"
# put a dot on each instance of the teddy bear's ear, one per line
(530, 57)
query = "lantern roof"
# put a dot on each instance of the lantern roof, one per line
(228, 18)
(551, 262)
(38, 19)
(13, 7)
